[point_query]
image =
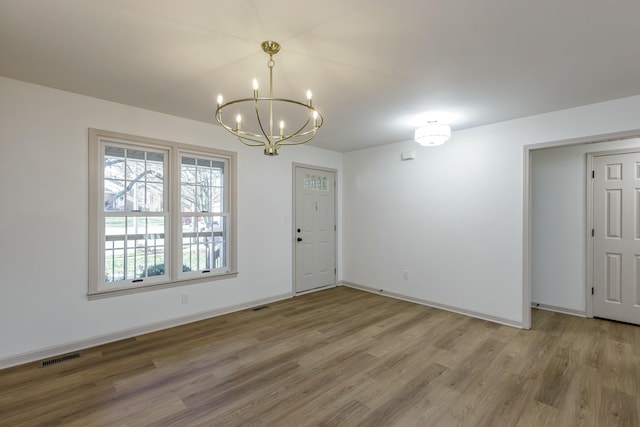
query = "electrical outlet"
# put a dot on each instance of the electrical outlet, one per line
(185, 298)
(405, 274)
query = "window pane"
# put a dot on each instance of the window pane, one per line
(204, 176)
(188, 198)
(134, 247)
(204, 243)
(203, 198)
(135, 170)
(133, 180)
(114, 195)
(155, 157)
(194, 223)
(139, 194)
(114, 163)
(156, 171)
(216, 177)
(192, 252)
(202, 185)
(154, 200)
(188, 170)
(216, 200)
(219, 236)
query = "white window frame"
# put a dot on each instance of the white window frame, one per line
(173, 275)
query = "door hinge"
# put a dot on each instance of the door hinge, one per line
(592, 291)
(335, 227)
(593, 232)
(593, 174)
(335, 271)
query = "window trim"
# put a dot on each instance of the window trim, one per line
(174, 230)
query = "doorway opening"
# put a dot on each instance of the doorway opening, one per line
(563, 256)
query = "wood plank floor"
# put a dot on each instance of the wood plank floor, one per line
(342, 357)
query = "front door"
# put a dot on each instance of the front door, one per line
(616, 244)
(314, 232)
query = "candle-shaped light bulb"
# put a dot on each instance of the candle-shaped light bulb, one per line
(281, 128)
(315, 118)
(255, 88)
(220, 100)
(309, 95)
(238, 121)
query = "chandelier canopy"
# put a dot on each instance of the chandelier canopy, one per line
(256, 127)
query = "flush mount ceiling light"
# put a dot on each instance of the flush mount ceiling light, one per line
(432, 134)
(303, 119)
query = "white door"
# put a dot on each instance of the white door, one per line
(314, 232)
(616, 244)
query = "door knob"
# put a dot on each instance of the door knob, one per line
(299, 239)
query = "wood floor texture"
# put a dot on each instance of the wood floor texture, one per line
(342, 357)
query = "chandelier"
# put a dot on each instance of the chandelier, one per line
(301, 126)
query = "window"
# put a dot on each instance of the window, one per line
(134, 215)
(315, 182)
(204, 221)
(161, 213)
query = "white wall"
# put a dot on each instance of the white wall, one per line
(559, 224)
(43, 224)
(454, 216)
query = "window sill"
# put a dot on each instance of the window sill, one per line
(152, 287)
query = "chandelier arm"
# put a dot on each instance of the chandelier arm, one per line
(313, 134)
(255, 144)
(240, 134)
(251, 137)
(301, 134)
(268, 140)
(243, 134)
(227, 127)
(295, 134)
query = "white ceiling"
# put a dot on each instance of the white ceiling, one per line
(371, 64)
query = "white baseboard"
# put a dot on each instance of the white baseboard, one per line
(321, 288)
(133, 332)
(562, 310)
(470, 313)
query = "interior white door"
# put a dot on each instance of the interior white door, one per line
(314, 233)
(616, 245)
